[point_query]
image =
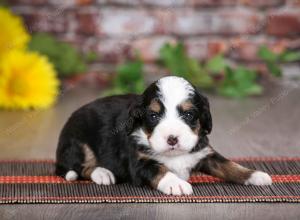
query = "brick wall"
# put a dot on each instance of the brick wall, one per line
(115, 28)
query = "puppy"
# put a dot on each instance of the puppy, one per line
(157, 139)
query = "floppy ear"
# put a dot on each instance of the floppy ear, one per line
(135, 115)
(204, 113)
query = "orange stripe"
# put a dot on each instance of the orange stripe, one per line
(193, 179)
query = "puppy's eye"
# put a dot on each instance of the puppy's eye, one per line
(154, 116)
(188, 116)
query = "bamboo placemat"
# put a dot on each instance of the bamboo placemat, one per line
(35, 182)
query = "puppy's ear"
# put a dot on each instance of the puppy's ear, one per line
(135, 115)
(204, 113)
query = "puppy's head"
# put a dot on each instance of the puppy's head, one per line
(170, 117)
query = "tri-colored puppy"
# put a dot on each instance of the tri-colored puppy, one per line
(157, 139)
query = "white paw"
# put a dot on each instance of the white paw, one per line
(259, 178)
(102, 176)
(170, 184)
(71, 175)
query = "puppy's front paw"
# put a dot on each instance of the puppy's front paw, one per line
(259, 178)
(170, 184)
(71, 175)
(103, 176)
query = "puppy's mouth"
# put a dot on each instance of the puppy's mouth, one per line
(174, 151)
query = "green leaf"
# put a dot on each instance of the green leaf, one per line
(239, 82)
(91, 57)
(176, 60)
(274, 69)
(290, 56)
(254, 89)
(216, 64)
(266, 54)
(66, 60)
(129, 78)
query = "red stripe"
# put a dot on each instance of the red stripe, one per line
(250, 159)
(193, 179)
(275, 179)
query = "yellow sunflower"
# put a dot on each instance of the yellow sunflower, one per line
(27, 80)
(13, 34)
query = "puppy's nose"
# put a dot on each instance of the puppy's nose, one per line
(172, 140)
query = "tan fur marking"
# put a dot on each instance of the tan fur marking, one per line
(231, 171)
(90, 161)
(143, 156)
(197, 128)
(155, 106)
(186, 105)
(162, 172)
(148, 134)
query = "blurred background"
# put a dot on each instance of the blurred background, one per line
(58, 55)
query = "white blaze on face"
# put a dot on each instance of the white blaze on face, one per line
(173, 91)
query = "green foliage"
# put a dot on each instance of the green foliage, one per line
(236, 82)
(66, 60)
(179, 63)
(214, 74)
(90, 57)
(216, 64)
(129, 78)
(239, 82)
(273, 60)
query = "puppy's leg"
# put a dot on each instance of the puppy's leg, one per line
(69, 159)
(146, 171)
(91, 169)
(218, 166)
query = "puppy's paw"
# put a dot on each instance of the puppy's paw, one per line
(71, 175)
(103, 176)
(259, 178)
(170, 184)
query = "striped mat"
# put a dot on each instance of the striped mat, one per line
(34, 182)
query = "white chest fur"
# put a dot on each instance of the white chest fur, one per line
(183, 164)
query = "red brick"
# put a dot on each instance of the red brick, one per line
(113, 50)
(221, 3)
(165, 3)
(263, 4)
(190, 22)
(212, 3)
(157, 3)
(217, 46)
(284, 23)
(116, 28)
(149, 47)
(45, 20)
(87, 22)
(127, 22)
(28, 2)
(246, 49)
(84, 2)
(197, 48)
(293, 3)
(203, 48)
(119, 2)
(164, 18)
